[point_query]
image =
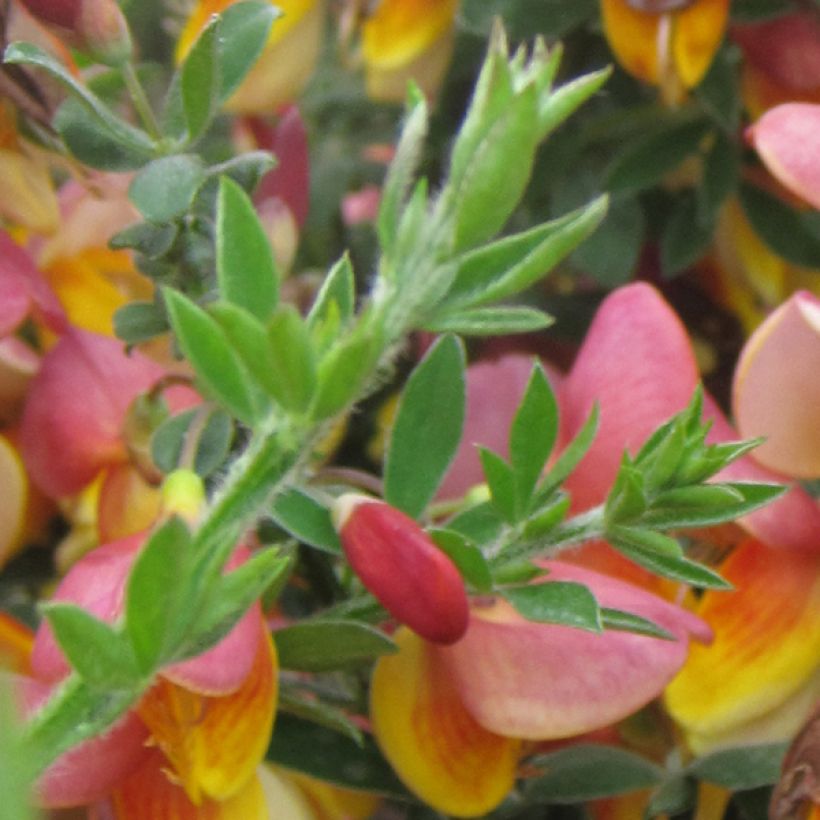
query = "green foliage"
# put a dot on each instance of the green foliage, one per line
(557, 602)
(165, 188)
(306, 519)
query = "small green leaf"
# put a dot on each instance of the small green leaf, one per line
(701, 463)
(342, 374)
(501, 481)
(510, 265)
(556, 602)
(152, 601)
(547, 517)
(741, 768)
(671, 566)
(165, 188)
(294, 359)
(99, 652)
(721, 173)
(588, 771)
(645, 539)
(685, 238)
(644, 162)
(627, 498)
(243, 34)
(214, 437)
(214, 360)
(139, 321)
(676, 795)
(489, 321)
(320, 713)
(322, 645)
(307, 747)
(339, 289)
(427, 429)
(306, 519)
(557, 106)
(569, 458)
(199, 80)
(787, 232)
(628, 622)
(245, 267)
(466, 555)
(532, 434)
(480, 523)
(151, 240)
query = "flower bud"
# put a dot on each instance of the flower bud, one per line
(398, 562)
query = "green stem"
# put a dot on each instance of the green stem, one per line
(140, 100)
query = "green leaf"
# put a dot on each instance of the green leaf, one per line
(243, 34)
(342, 374)
(99, 652)
(339, 290)
(146, 238)
(643, 163)
(623, 621)
(719, 91)
(165, 188)
(741, 768)
(139, 321)
(306, 747)
(706, 505)
(547, 517)
(214, 438)
(570, 456)
(684, 239)
(322, 645)
(532, 434)
(501, 481)
(627, 498)
(480, 523)
(118, 131)
(294, 359)
(466, 555)
(245, 266)
(556, 602)
(152, 601)
(703, 463)
(215, 362)
(200, 80)
(558, 105)
(427, 429)
(510, 265)
(787, 232)
(306, 519)
(93, 143)
(721, 174)
(588, 771)
(402, 169)
(17, 771)
(489, 321)
(674, 796)
(321, 713)
(671, 566)
(645, 539)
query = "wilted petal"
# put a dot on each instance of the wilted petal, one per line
(430, 739)
(215, 743)
(766, 647)
(781, 137)
(637, 364)
(149, 794)
(777, 387)
(72, 421)
(542, 681)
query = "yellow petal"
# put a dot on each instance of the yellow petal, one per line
(696, 35)
(14, 492)
(766, 648)
(149, 794)
(27, 195)
(284, 799)
(215, 743)
(332, 802)
(633, 37)
(399, 31)
(430, 739)
(16, 641)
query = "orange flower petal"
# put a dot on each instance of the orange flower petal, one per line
(14, 490)
(765, 653)
(215, 743)
(633, 38)
(777, 388)
(149, 794)
(16, 642)
(128, 504)
(399, 31)
(697, 32)
(432, 742)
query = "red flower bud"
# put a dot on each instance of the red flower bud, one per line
(398, 562)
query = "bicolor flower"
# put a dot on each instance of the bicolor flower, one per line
(398, 562)
(209, 718)
(283, 70)
(666, 43)
(404, 40)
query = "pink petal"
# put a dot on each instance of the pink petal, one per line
(89, 771)
(787, 48)
(791, 522)
(494, 389)
(540, 681)
(777, 387)
(786, 138)
(72, 421)
(637, 364)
